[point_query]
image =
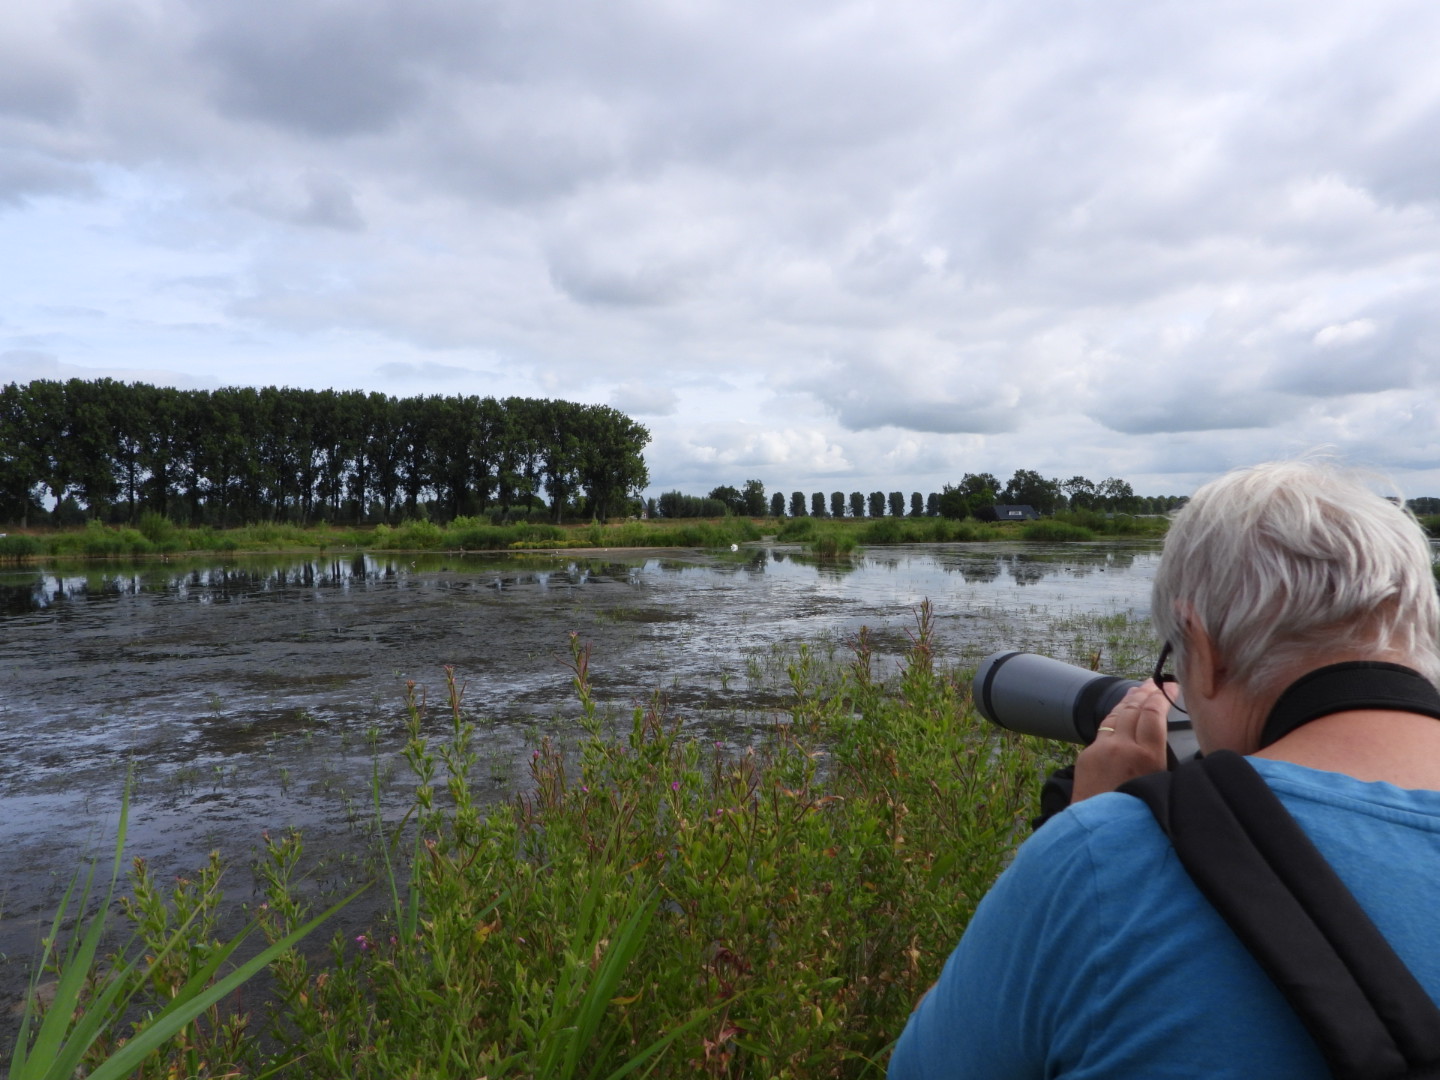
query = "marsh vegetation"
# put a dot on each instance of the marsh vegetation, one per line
(741, 819)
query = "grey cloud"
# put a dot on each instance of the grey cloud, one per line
(1181, 410)
(428, 371)
(318, 199)
(323, 69)
(25, 175)
(918, 382)
(1365, 355)
(644, 399)
(36, 88)
(860, 411)
(593, 281)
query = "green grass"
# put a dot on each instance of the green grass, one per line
(157, 536)
(1099, 524)
(651, 900)
(1049, 529)
(848, 533)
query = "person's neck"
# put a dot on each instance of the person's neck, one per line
(1368, 744)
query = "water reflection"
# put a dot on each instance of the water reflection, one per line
(257, 578)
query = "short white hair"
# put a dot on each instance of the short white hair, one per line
(1297, 561)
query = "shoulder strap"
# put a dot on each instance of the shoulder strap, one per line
(1253, 862)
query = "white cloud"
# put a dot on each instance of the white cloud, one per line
(911, 238)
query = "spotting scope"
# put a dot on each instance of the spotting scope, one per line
(1039, 695)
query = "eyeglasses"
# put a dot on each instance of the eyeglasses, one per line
(1162, 678)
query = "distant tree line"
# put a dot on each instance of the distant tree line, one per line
(975, 495)
(101, 449)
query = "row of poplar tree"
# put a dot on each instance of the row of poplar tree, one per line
(108, 450)
(973, 496)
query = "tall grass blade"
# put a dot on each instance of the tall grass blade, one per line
(64, 1037)
(51, 1037)
(182, 1010)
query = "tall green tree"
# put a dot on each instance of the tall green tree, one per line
(21, 461)
(953, 502)
(797, 504)
(817, 504)
(1115, 494)
(754, 494)
(981, 490)
(1079, 493)
(1029, 488)
(877, 504)
(897, 504)
(612, 463)
(777, 505)
(730, 496)
(837, 504)
(857, 504)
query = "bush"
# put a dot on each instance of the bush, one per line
(884, 531)
(834, 542)
(796, 530)
(156, 528)
(1054, 530)
(18, 547)
(416, 536)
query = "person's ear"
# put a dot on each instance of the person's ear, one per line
(1204, 669)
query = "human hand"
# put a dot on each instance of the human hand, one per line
(1129, 743)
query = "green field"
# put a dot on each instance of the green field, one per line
(155, 535)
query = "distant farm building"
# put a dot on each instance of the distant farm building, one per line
(1015, 513)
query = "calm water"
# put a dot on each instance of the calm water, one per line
(259, 693)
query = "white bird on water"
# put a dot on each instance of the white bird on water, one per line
(734, 547)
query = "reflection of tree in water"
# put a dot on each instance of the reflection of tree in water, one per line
(827, 565)
(979, 571)
(1027, 569)
(1026, 572)
(23, 599)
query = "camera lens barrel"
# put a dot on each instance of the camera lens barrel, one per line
(1038, 695)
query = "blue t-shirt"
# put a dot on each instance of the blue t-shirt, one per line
(1095, 956)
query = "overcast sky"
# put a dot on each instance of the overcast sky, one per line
(830, 246)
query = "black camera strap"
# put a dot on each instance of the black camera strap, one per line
(1367, 1013)
(1355, 684)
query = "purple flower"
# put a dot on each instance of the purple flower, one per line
(674, 785)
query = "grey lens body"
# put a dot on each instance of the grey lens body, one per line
(1039, 695)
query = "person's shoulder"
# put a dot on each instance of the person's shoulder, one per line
(1103, 836)
(1106, 818)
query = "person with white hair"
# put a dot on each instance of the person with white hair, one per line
(1299, 608)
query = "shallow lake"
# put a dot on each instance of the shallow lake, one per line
(260, 693)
